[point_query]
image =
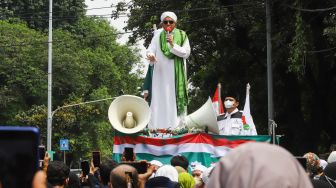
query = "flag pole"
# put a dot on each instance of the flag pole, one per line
(219, 97)
(271, 124)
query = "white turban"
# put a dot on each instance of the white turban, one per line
(172, 15)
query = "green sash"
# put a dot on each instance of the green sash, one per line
(180, 77)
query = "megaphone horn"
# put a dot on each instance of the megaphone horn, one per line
(129, 114)
(204, 117)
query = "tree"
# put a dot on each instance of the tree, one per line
(23, 79)
(88, 64)
(36, 13)
(228, 40)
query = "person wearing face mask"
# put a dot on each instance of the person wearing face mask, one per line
(231, 122)
(167, 53)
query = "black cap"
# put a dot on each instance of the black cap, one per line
(234, 95)
(235, 90)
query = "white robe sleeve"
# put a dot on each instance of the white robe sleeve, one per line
(182, 51)
(151, 50)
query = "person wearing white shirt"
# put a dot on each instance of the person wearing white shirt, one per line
(231, 122)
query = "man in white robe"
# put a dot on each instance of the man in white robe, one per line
(168, 52)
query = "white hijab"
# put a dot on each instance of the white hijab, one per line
(258, 165)
(167, 171)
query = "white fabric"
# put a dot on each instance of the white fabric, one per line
(230, 126)
(168, 171)
(332, 157)
(323, 163)
(258, 165)
(172, 15)
(206, 174)
(156, 162)
(200, 168)
(163, 102)
(248, 117)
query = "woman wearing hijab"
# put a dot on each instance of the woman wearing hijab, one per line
(166, 176)
(313, 165)
(186, 180)
(258, 165)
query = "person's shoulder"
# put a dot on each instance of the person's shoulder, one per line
(158, 31)
(237, 114)
(175, 184)
(182, 31)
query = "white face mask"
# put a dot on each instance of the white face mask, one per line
(228, 104)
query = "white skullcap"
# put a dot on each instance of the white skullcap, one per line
(332, 157)
(172, 15)
(156, 162)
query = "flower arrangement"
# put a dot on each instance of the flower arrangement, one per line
(164, 133)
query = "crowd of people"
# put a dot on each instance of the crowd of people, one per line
(250, 165)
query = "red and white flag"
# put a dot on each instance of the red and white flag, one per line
(249, 127)
(217, 103)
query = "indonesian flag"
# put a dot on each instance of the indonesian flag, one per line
(216, 101)
(249, 127)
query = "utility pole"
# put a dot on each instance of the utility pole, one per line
(49, 77)
(271, 124)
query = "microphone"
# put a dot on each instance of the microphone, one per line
(168, 30)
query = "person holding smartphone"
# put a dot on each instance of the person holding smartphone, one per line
(128, 155)
(90, 171)
(93, 176)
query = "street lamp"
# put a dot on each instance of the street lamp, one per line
(67, 106)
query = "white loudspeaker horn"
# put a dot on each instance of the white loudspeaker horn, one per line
(204, 117)
(129, 114)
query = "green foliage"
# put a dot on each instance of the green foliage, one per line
(36, 12)
(228, 40)
(22, 77)
(298, 47)
(88, 64)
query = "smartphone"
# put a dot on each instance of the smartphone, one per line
(96, 158)
(129, 153)
(19, 156)
(41, 152)
(303, 162)
(140, 166)
(85, 166)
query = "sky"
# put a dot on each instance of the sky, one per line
(103, 7)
